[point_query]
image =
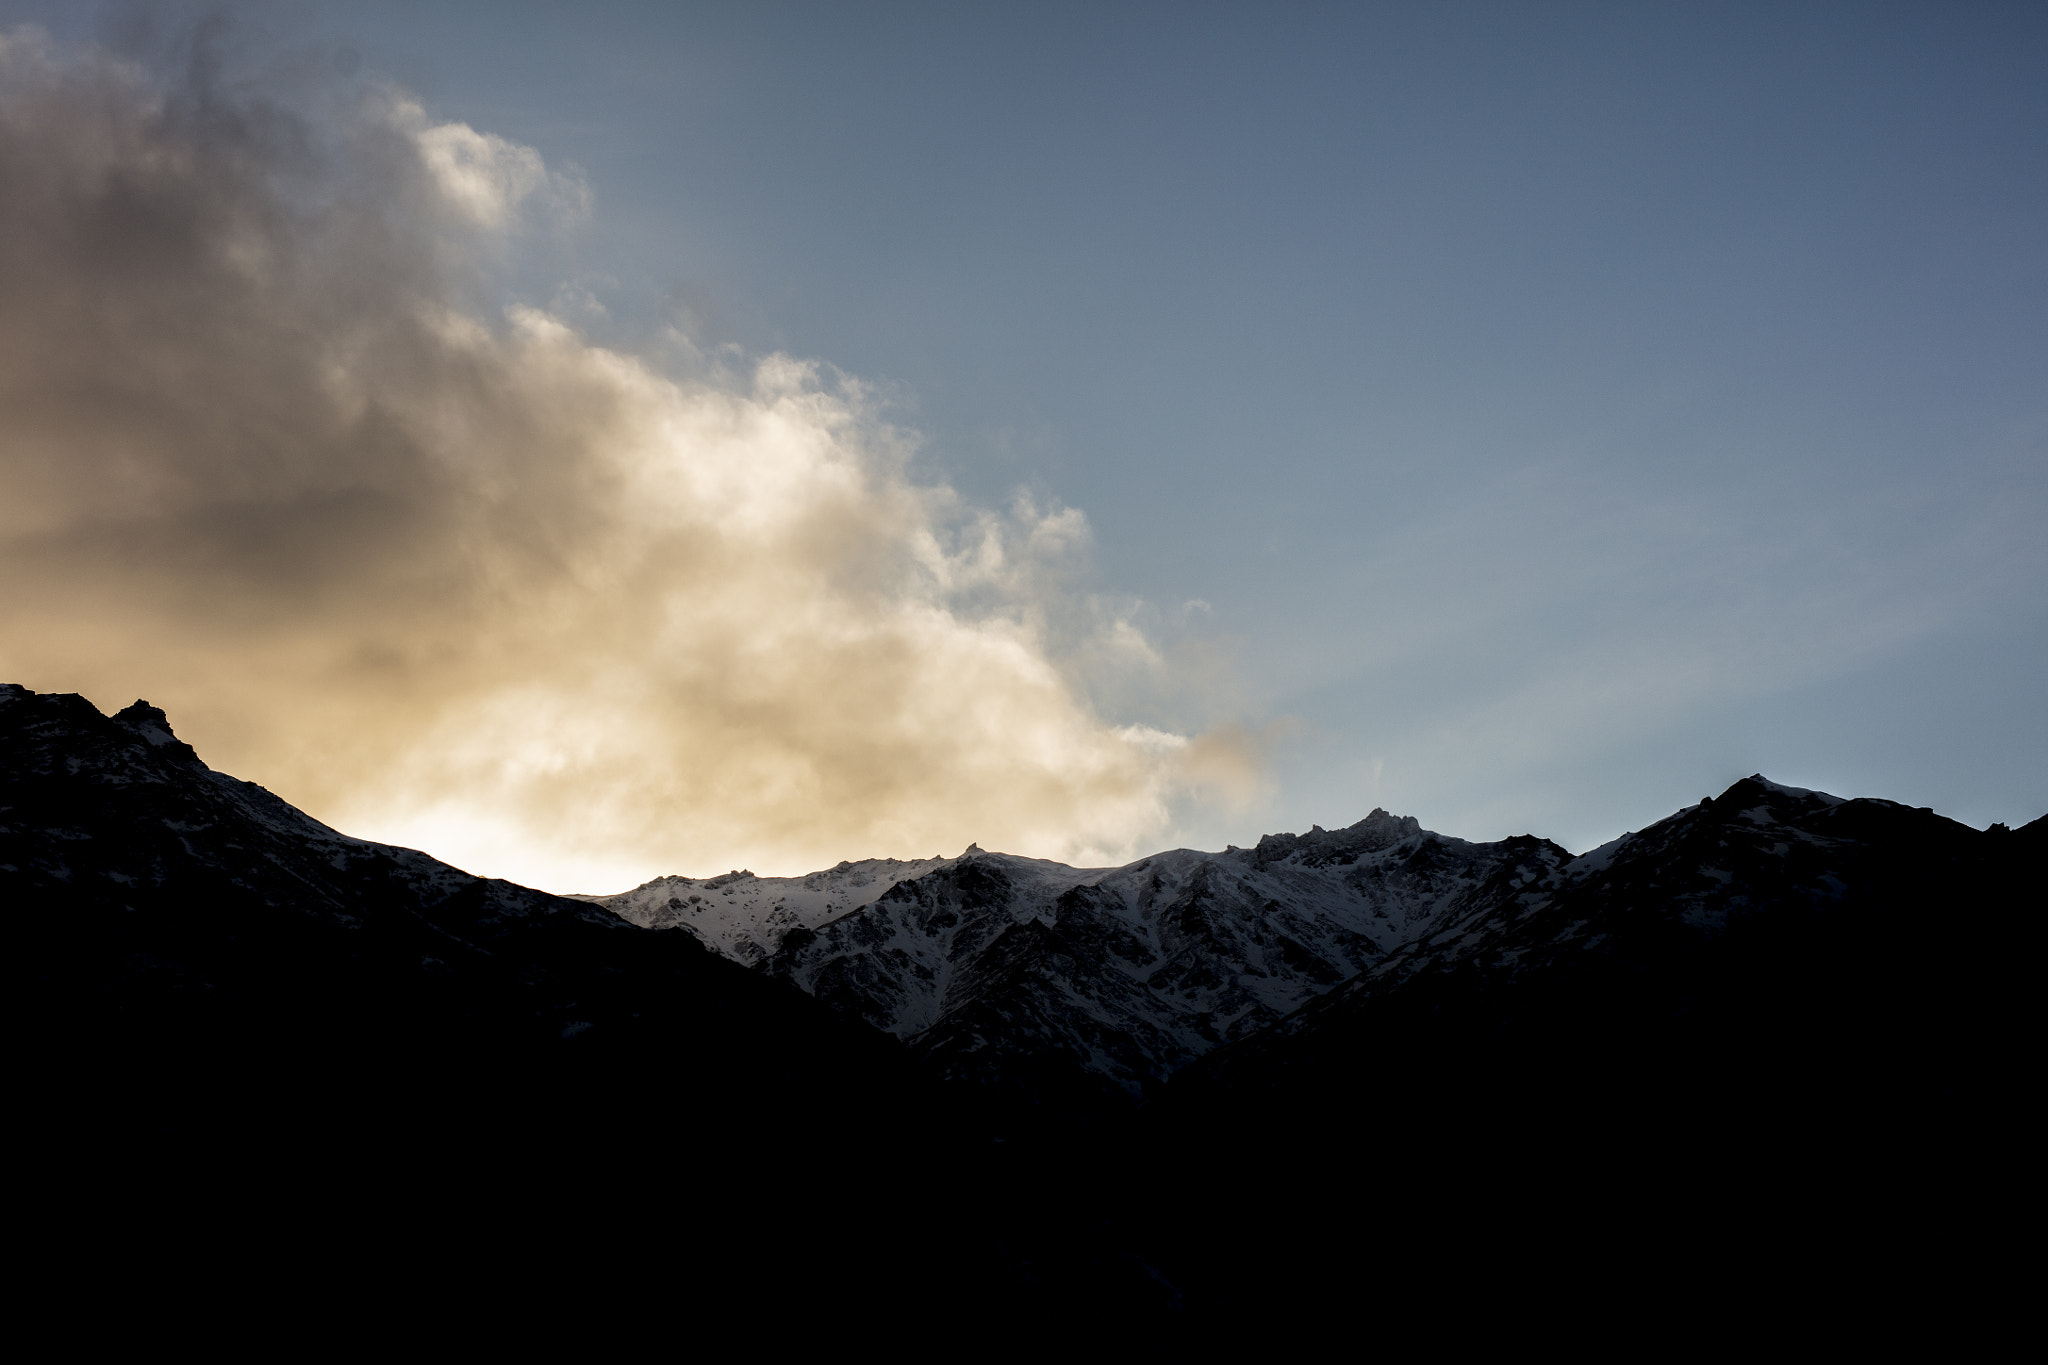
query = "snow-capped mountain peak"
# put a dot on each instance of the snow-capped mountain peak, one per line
(1120, 974)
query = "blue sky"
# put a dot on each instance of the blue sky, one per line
(1529, 417)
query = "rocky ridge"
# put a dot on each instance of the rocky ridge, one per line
(744, 917)
(1762, 916)
(1013, 971)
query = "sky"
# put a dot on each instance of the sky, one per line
(602, 441)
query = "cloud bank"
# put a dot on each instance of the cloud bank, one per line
(446, 573)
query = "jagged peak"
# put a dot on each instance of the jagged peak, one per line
(1376, 831)
(148, 721)
(1765, 784)
(1383, 819)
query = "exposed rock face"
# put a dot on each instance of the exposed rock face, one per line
(1004, 969)
(744, 917)
(1089, 987)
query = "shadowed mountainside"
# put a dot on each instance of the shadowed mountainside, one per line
(163, 899)
(238, 1019)
(1778, 1030)
(1367, 1055)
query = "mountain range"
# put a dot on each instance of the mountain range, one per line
(1148, 1095)
(1093, 985)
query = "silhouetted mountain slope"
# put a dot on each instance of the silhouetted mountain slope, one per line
(1777, 1027)
(235, 1018)
(162, 898)
(1764, 916)
(1381, 1067)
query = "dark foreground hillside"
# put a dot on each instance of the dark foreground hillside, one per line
(1765, 1056)
(345, 1068)
(1750, 1061)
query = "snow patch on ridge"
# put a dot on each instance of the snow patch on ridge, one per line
(745, 917)
(1783, 790)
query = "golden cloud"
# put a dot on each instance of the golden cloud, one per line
(456, 576)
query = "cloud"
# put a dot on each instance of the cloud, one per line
(277, 457)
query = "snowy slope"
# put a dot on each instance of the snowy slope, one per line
(1153, 965)
(994, 964)
(1067, 982)
(745, 917)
